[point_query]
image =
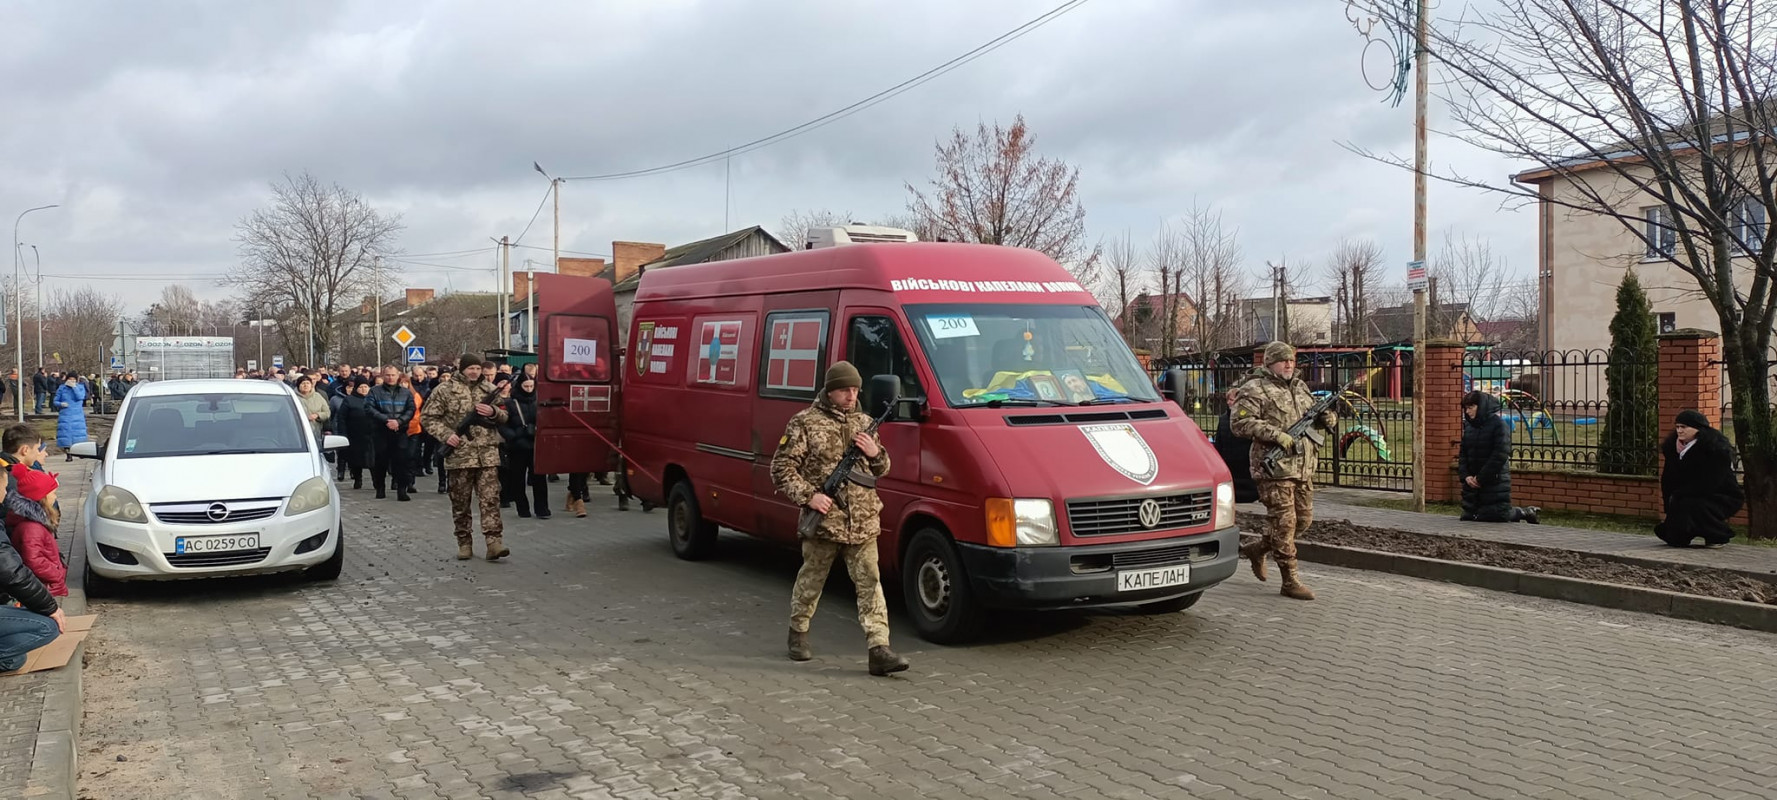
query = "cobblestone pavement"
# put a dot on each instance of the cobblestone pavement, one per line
(594, 664)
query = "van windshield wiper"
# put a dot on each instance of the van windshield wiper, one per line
(1020, 401)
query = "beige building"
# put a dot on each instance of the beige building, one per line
(1582, 256)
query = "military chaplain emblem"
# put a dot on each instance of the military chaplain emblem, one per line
(1124, 450)
(644, 347)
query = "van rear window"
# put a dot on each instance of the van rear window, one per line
(579, 349)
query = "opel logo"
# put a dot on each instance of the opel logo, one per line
(1149, 513)
(219, 512)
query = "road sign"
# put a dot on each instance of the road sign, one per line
(415, 354)
(252, 364)
(1416, 280)
(403, 336)
(117, 362)
(277, 361)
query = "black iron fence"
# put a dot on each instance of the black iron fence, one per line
(1373, 446)
(1559, 406)
(1726, 420)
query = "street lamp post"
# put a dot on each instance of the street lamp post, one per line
(19, 323)
(39, 259)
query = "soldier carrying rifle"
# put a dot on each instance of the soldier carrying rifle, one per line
(1270, 404)
(814, 443)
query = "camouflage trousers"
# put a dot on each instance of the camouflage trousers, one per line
(866, 576)
(1289, 508)
(481, 484)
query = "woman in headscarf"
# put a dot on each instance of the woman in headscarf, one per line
(519, 449)
(1698, 484)
(357, 421)
(1483, 463)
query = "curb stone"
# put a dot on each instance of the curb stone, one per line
(55, 762)
(1719, 611)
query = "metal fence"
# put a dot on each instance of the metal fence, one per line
(1726, 420)
(1558, 406)
(1372, 448)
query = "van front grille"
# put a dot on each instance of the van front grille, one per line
(1123, 515)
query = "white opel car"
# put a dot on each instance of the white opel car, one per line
(203, 478)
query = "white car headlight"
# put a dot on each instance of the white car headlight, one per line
(1224, 505)
(120, 505)
(1035, 520)
(313, 495)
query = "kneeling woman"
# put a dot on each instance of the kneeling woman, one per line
(1698, 484)
(1484, 462)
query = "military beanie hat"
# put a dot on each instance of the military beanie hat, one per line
(468, 360)
(842, 375)
(1278, 351)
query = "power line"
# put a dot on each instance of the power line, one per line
(451, 253)
(834, 116)
(564, 252)
(440, 266)
(535, 214)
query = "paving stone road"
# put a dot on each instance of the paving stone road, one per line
(594, 664)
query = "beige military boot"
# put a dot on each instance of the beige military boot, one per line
(799, 650)
(884, 661)
(496, 548)
(465, 548)
(1292, 582)
(1256, 551)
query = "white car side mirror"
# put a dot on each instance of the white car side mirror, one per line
(331, 442)
(84, 450)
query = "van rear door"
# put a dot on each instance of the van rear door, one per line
(578, 368)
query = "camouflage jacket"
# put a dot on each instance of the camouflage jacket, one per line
(813, 442)
(1267, 407)
(450, 402)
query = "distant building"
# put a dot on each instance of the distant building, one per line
(1310, 320)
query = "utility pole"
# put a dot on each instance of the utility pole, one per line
(506, 292)
(1420, 60)
(379, 316)
(530, 337)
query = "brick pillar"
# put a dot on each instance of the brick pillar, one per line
(1442, 408)
(1690, 375)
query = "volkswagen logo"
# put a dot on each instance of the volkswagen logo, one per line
(219, 512)
(1149, 513)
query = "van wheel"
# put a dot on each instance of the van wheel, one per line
(1170, 606)
(937, 591)
(693, 537)
(329, 570)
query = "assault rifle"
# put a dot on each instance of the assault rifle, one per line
(470, 420)
(846, 470)
(1304, 428)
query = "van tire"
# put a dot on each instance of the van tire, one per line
(693, 537)
(936, 588)
(1172, 605)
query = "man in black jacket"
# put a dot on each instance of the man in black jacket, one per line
(392, 407)
(40, 620)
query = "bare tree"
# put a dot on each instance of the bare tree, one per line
(314, 250)
(794, 227)
(1659, 115)
(1353, 274)
(1166, 262)
(1209, 278)
(1126, 281)
(1469, 271)
(992, 188)
(453, 324)
(80, 322)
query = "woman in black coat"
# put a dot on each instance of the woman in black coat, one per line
(357, 420)
(519, 448)
(1483, 462)
(1698, 484)
(1236, 452)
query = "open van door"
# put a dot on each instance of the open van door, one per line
(577, 367)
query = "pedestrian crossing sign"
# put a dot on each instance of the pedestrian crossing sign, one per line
(416, 354)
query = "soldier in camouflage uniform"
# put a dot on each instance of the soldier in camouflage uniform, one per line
(1270, 402)
(474, 466)
(814, 442)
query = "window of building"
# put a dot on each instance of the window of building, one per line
(1748, 225)
(875, 348)
(1665, 321)
(1661, 237)
(795, 349)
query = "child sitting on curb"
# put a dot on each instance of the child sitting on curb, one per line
(32, 525)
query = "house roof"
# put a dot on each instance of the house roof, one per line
(1395, 323)
(698, 252)
(1681, 141)
(357, 313)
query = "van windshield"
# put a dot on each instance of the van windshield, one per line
(1028, 355)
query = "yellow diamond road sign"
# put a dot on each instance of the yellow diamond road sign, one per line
(404, 337)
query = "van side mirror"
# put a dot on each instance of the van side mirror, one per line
(1173, 386)
(881, 393)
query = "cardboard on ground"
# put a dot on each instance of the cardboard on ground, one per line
(58, 652)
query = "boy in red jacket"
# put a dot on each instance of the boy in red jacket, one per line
(33, 535)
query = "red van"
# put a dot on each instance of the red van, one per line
(1034, 464)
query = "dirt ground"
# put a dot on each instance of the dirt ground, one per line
(116, 759)
(1700, 581)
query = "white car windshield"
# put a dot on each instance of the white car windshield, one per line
(211, 424)
(1028, 355)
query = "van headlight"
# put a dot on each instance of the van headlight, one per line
(118, 504)
(313, 495)
(1224, 505)
(1014, 522)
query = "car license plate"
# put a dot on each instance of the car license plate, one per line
(184, 545)
(1135, 580)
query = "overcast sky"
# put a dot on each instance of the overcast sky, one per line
(158, 125)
